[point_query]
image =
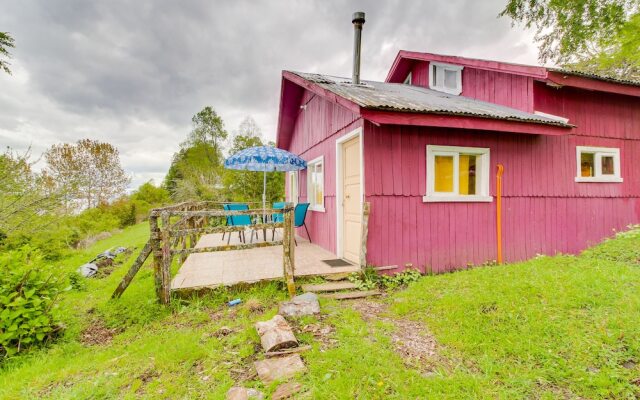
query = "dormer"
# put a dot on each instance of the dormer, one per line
(445, 78)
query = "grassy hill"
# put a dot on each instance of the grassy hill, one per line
(552, 327)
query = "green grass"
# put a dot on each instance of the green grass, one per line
(552, 327)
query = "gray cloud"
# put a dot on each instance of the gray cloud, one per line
(134, 72)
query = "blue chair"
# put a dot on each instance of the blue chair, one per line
(238, 220)
(279, 217)
(300, 214)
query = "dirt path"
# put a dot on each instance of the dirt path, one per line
(411, 339)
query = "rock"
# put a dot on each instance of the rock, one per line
(240, 393)
(286, 390)
(276, 334)
(88, 270)
(304, 304)
(279, 368)
(223, 331)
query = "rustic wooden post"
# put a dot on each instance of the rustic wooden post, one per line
(156, 249)
(366, 208)
(288, 249)
(165, 267)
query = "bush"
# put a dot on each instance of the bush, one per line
(369, 279)
(28, 292)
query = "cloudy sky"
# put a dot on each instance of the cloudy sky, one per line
(133, 73)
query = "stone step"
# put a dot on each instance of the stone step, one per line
(329, 286)
(351, 295)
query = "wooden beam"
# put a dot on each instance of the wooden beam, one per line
(288, 249)
(156, 249)
(165, 265)
(226, 228)
(227, 247)
(146, 250)
(366, 209)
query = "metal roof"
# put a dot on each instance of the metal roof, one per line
(592, 75)
(408, 98)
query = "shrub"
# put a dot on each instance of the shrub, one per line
(369, 279)
(28, 292)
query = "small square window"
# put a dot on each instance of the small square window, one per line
(598, 164)
(457, 174)
(445, 78)
(315, 184)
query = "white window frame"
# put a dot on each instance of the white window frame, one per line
(482, 177)
(439, 85)
(292, 197)
(407, 80)
(598, 153)
(312, 196)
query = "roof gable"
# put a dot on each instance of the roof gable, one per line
(391, 103)
(589, 81)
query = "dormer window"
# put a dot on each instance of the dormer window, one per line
(445, 78)
(407, 80)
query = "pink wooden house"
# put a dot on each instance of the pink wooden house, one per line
(423, 148)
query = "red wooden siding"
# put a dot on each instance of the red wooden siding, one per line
(515, 91)
(315, 132)
(545, 210)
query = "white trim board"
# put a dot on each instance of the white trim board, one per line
(339, 219)
(317, 160)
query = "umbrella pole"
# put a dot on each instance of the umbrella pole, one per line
(264, 202)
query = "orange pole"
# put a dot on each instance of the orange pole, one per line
(499, 211)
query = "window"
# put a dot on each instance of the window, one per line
(315, 184)
(457, 174)
(598, 164)
(407, 80)
(292, 194)
(445, 78)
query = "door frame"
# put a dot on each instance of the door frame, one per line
(339, 209)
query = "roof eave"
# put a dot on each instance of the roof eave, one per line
(443, 120)
(525, 70)
(561, 78)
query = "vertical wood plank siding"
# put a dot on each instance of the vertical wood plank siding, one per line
(315, 132)
(509, 90)
(545, 210)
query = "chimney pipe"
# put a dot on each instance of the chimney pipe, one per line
(358, 21)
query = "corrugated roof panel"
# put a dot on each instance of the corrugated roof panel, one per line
(602, 77)
(407, 98)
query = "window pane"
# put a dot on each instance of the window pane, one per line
(467, 174)
(587, 164)
(607, 165)
(434, 80)
(450, 78)
(319, 185)
(443, 173)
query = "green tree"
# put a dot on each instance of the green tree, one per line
(147, 197)
(196, 169)
(248, 185)
(601, 36)
(6, 43)
(25, 196)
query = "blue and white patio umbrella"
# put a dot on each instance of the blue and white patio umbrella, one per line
(265, 159)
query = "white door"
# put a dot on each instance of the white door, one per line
(351, 201)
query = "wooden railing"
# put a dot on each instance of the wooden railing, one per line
(175, 231)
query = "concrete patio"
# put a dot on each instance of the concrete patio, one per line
(226, 268)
